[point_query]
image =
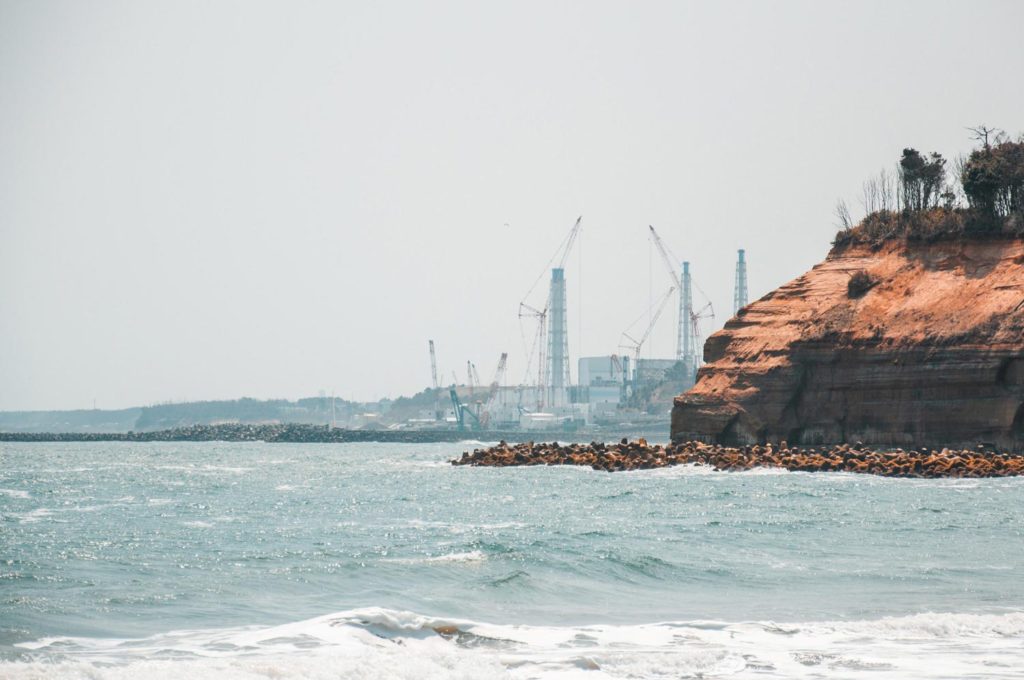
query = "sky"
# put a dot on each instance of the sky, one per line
(210, 200)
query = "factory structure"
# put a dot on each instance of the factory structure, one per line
(611, 390)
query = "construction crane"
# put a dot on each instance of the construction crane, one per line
(616, 365)
(670, 260)
(494, 398)
(527, 311)
(461, 410)
(621, 367)
(538, 347)
(682, 280)
(469, 377)
(635, 344)
(499, 373)
(705, 312)
(433, 365)
(672, 267)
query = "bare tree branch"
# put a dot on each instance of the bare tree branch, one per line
(842, 213)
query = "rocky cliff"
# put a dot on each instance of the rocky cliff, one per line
(903, 344)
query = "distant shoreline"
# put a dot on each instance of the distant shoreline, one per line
(297, 433)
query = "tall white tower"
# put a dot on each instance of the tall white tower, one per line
(687, 351)
(739, 296)
(558, 341)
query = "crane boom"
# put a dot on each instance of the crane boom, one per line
(705, 312)
(569, 242)
(499, 373)
(657, 314)
(671, 263)
(637, 344)
(616, 365)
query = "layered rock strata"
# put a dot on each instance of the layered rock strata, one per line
(626, 456)
(898, 344)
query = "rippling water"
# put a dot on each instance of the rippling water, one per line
(258, 560)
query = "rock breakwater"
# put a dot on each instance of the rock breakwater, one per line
(639, 455)
(290, 433)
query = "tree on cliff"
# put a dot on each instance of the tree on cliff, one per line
(993, 179)
(921, 179)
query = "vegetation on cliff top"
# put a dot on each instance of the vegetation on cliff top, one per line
(984, 196)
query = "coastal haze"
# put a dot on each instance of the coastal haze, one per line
(215, 201)
(229, 233)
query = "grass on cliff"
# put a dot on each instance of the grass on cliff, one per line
(933, 224)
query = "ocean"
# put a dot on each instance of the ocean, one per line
(228, 560)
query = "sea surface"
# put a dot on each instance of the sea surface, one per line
(182, 560)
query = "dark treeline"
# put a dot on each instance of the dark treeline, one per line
(923, 199)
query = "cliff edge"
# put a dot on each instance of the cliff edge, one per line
(898, 344)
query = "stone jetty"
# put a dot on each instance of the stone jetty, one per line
(282, 433)
(639, 455)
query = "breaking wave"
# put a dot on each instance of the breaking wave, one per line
(382, 643)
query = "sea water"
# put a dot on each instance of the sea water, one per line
(175, 560)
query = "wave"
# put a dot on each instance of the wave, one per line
(32, 516)
(382, 643)
(468, 556)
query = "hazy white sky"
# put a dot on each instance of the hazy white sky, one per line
(211, 200)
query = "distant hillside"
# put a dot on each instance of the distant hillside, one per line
(314, 410)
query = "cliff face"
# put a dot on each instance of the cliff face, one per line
(931, 354)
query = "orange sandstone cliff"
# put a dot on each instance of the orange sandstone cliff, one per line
(929, 352)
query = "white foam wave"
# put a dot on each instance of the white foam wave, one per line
(469, 556)
(380, 643)
(15, 493)
(34, 515)
(204, 469)
(475, 443)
